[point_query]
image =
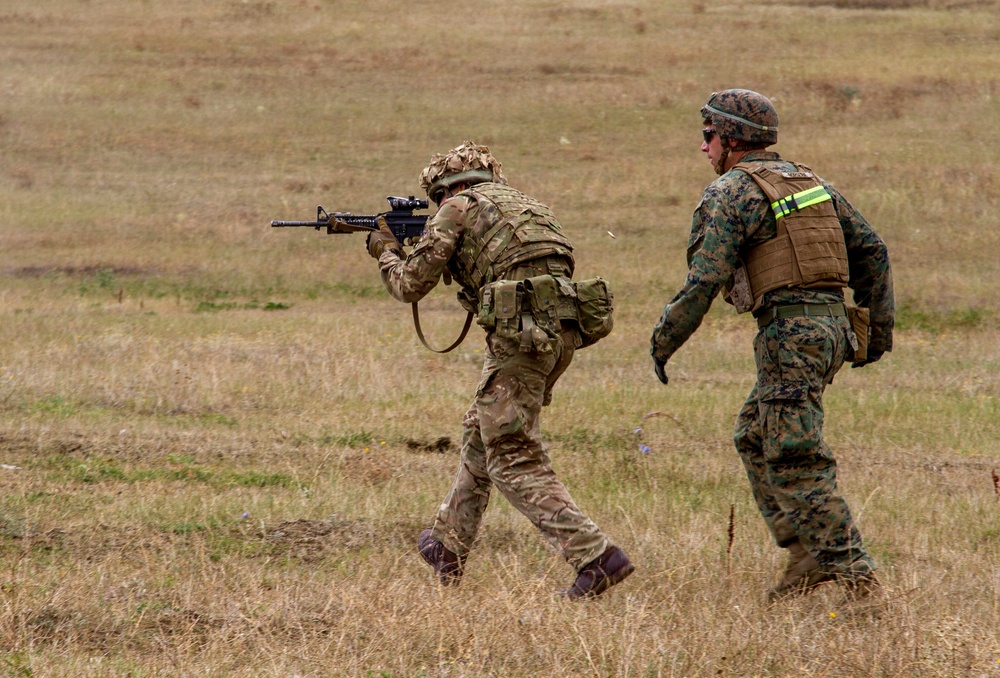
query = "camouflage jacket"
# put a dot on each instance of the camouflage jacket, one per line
(463, 236)
(729, 209)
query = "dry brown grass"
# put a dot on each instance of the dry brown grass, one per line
(220, 441)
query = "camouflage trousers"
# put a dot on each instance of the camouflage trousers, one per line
(502, 447)
(779, 436)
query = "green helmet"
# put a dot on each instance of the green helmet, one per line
(743, 115)
(468, 163)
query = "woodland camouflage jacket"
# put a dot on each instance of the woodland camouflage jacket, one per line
(730, 208)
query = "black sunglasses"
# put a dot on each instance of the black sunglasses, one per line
(706, 134)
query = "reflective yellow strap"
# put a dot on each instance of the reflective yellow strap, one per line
(797, 201)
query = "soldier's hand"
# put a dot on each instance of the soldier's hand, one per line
(658, 366)
(873, 357)
(381, 240)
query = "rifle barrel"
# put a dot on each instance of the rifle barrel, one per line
(313, 224)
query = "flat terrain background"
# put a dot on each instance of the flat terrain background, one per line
(219, 440)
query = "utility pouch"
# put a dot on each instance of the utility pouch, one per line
(500, 310)
(542, 296)
(595, 309)
(859, 323)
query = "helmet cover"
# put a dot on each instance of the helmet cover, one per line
(744, 115)
(469, 163)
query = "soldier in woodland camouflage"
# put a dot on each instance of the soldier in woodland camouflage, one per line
(782, 243)
(499, 244)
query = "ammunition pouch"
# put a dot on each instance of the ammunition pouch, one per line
(532, 310)
(500, 309)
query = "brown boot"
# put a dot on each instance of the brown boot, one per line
(447, 565)
(802, 574)
(863, 596)
(600, 574)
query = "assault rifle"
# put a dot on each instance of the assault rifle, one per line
(404, 224)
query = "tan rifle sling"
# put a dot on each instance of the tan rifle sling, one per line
(454, 345)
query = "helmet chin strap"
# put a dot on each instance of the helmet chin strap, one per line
(720, 167)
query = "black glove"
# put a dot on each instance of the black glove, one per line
(658, 368)
(381, 240)
(872, 357)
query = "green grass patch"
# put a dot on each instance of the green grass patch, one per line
(18, 664)
(216, 418)
(53, 405)
(91, 471)
(585, 439)
(353, 439)
(214, 306)
(935, 321)
(193, 527)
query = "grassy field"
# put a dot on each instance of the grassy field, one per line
(219, 441)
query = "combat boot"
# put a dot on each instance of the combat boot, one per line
(861, 587)
(863, 595)
(802, 574)
(600, 574)
(447, 565)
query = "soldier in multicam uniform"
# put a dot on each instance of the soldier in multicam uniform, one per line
(483, 233)
(782, 243)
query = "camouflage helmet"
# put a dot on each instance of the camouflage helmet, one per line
(743, 115)
(468, 163)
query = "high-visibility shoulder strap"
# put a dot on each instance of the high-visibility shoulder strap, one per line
(800, 200)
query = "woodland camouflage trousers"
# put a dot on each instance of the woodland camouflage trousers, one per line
(779, 436)
(502, 447)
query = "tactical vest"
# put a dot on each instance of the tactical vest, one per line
(808, 250)
(510, 229)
